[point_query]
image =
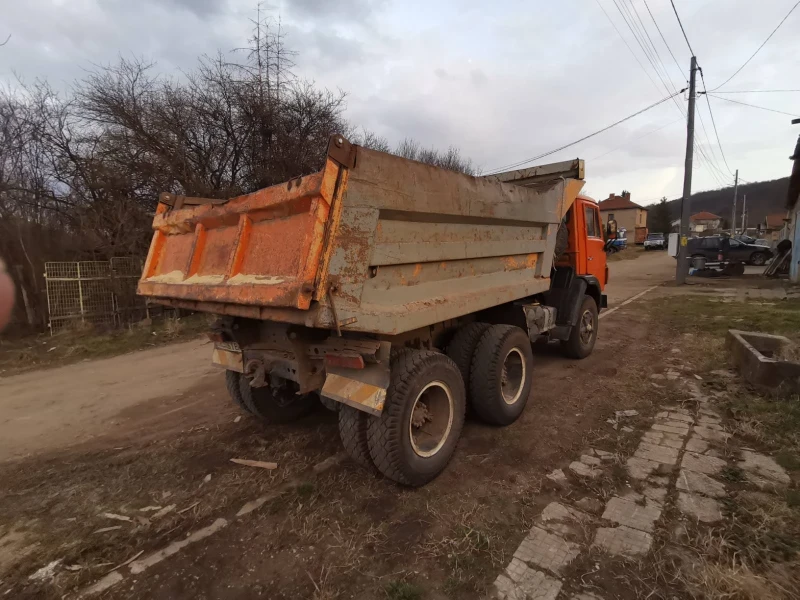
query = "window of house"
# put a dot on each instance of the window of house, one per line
(610, 216)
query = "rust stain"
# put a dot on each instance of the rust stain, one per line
(417, 269)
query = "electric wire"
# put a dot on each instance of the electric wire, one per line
(591, 135)
(791, 10)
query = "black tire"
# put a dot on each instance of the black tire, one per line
(758, 259)
(488, 397)
(276, 404)
(462, 347)
(353, 433)
(418, 374)
(232, 384)
(578, 345)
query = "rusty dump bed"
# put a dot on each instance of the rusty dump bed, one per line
(372, 243)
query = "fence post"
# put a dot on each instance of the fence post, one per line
(80, 292)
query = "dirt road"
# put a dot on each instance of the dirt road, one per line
(629, 277)
(46, 410)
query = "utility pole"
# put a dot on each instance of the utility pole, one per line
(744, 214)
(682, 268)
(735, 194)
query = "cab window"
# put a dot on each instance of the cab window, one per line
(592, 226)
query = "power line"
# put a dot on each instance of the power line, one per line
(756, 91)
(591, 135)
(677, 16)
(759, 48)
(663, 39)
(713, 122)
(780, 112)
(619, 33)
(636, 139)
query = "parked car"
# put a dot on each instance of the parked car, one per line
(714, 246)
(655, 241)
(746, 239)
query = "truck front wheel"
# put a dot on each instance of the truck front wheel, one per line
(501, 374)
(584, 333)
(416, 434)
(278, 402)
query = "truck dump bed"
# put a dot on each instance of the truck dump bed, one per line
(372, 243)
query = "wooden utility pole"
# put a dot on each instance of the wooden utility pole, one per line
(735, 194)
(682, 268)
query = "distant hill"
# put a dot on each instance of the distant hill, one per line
(763, 198)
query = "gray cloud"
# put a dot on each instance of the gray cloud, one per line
(502, 85)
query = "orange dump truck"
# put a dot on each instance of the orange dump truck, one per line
(392, 291)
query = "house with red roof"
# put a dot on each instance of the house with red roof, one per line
(705, 221)
(628, 215)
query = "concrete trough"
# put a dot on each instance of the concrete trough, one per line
(765, 360)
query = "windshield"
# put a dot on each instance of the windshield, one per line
(655, 236)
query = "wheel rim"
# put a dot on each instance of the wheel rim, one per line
(758, 259)
(512, 378)
(587, 327)
(431, 419)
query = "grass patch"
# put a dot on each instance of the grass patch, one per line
(711, 315)
(82, 343)
(402, 590)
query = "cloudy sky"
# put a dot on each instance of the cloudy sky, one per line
(503, 81)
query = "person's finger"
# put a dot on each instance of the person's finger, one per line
(6, 296)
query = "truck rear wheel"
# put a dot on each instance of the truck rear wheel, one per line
(276, 403)
(462, 347)
(416, 435)
(232, 384)
(584, 334)
(501, 374)
(353, 424)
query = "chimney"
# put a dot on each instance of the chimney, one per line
(611, 196)
(626, 195)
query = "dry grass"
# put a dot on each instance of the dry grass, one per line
(82, 342)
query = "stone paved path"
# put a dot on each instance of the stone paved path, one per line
(677, 464)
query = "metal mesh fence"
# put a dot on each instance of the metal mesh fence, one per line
(93, 292)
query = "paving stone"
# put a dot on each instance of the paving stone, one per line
(563, 520)
(590, 505)
(658, 376)
(557, 476)
(691, 481)
(533, 585)
(676, 409)
(711, 435)
(713, 452)
(696, 444)
(700, 463)
(584, 470)
(659, 454)
(660, 481)
(677, 416)
(701, 508)
(656, 494)
(591, 461)
(662, 415)
(627, 429)
(627, 512)
(764, 467)
(672, 441)
(626, 413)
(706, 420)
(709, 413)
(623, 540)
(640, 468)
(586, 596)
(546, 550)
(670, 428)
(601, 454)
